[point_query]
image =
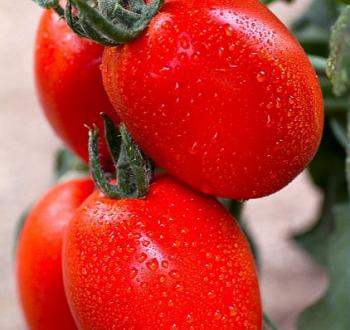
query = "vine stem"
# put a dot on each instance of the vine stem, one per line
(347, 166)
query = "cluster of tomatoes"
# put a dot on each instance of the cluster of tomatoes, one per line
(220, 95)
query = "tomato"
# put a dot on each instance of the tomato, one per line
(39, 262)
(175, 259)
(220, 94)
(69, 83)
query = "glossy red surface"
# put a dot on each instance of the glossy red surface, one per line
(39, 263)
(220, 94)
(69, 83)
(173, 260)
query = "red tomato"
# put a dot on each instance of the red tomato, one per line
(39, 265)
(173, 260)
(69, 83)
(220, 94)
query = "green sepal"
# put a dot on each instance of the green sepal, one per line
(110, 22)
(133, 168)
(47, 4)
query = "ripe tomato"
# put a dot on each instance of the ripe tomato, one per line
(173, 260)
(39, 265)
(220, 94)
(69, 83)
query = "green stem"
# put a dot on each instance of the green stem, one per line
(335, 105)
(110, 23)
(59, 10)
(319, 63)
(348, 151)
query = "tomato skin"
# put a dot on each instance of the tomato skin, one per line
(69, 83)
(173, 260)
(39, 262)
(220, 94)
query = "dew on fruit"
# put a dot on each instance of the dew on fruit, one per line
(261, 76)
(141, 258)
(174, 274)
(132, 273)
(152, 264)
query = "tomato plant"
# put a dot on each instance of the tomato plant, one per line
(220, 94)
(171, 258)
(39, 269)
(68, 81)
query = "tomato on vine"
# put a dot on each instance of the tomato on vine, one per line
(39, 262)
(69, 83)
(158, 256)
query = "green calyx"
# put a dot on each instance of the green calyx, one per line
(108, 22)
(133, 168)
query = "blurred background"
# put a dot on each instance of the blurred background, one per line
(290, 281)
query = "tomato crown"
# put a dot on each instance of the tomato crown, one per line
(133, 168)
(108, 22)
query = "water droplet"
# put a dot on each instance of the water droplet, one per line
(152, 264)
(269, 105)
(189, 318)
(211, 294)
(232, 311)
(194, 148)
(268, 121)
(146, 243)
(142, 257)
(84, 271)
(229, 31)
(179, 287)
(174, 274)
(132, 273)
(130, 249)
(278, 103)
(165, 264)
(261, 77)
(162, 279)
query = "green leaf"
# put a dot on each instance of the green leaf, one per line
(67, 165)
(338, 68)
(330, 178)
(47, 3)
(332, 311)
(313, 28)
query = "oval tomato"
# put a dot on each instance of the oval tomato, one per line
(69, 83)
(173, 260)
(39, 265)
(220, 94)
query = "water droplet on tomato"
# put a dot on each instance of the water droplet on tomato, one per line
(228, 30)
(142, 257)
(152, 264)
(174, 274)
(261, 76)
(132, 273)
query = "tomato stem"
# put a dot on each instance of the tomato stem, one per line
(54, 4)
(133, 168)
(110, 22)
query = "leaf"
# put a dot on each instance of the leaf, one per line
(67, 165)
(330, 177)
(313, 28)
(338, 66)
(47, 3)
(332, 311)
